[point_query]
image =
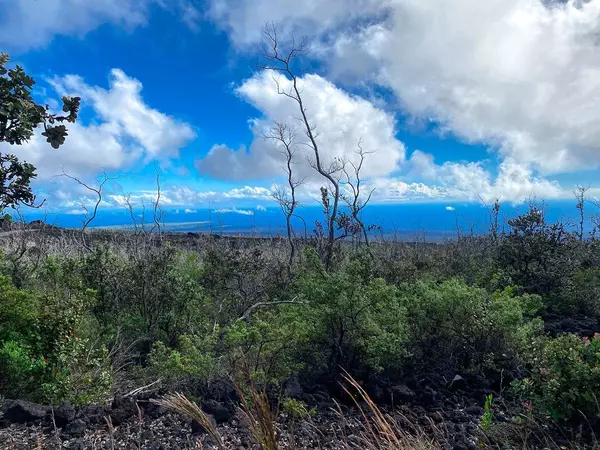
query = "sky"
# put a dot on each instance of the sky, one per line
(457, 102)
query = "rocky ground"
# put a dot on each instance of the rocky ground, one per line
(450, 415)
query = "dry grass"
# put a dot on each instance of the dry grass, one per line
(379, 431)
(261, 416)
(179, 403)
(382, 432)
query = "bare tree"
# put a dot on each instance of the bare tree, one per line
(157, 214)
(89, 217)
(281, 61)
(595, 218)
(580, 195)
(355, 183)
(286, 197)
(138, 227)
(210, 221)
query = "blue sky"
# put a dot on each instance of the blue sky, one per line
(463, 100)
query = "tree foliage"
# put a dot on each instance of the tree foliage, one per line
(20, 115)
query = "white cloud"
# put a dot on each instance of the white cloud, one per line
(521, 76)
(450, 208)
(249, 192)
(26, 24)
(244, 212)
(183, 196)
(260, 208)
(123, 107)
(190, 211)
(341, 121)
(514, 181)
(125, 129)
(244, 19)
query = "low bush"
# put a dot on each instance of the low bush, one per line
(349, 320)
(564, 380)
(43, 354)
(191, 362)
(456, 327)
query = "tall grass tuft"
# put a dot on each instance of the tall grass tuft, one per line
(261, 416)
(383, 432)
(180, 404)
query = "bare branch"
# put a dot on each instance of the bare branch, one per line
(157, 215)
(98, 191)
(281, 62)
(284, 135)
(248, 312)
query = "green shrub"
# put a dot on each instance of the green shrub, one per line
(564, 378)
(268, 346)
(350, 321)
(42, 355)
(192, 361)
(458, 327)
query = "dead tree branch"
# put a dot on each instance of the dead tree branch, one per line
(354, 181)
(284, 136)
(98, 193)
(281, 61)
(250, 310)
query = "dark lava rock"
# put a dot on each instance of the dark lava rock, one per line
(580, 325)
(122, 410)
(63, 415)
(92, 414)
(293, 389)
(474, 410)
(20, 411)
(436, 416)
(75, 428)
(147, 435)
(197, 428)
(402, 393)
(78, 444)
(458, 382)
(154, 411)
(219, 410)
(429, 396)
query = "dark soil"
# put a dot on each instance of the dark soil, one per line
(447, 411)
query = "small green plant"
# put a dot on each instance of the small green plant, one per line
(297, 409)
(191, 361)
(564, 376)
(486, 418)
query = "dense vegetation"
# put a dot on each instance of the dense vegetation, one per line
(142, 306)
(83, 315)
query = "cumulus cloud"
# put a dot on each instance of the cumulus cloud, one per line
(243, 19)
(514, 181)
(190, 211)
(122, 106)
(450, 208)
(125, 129)
(260, 208)
(341, 121)
(26, 24)
(520, 76)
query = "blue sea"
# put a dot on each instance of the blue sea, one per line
(429, 220)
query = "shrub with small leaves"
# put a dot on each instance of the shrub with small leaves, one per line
(191, 362)
(565, 376)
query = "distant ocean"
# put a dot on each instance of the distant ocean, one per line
(434, 221)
